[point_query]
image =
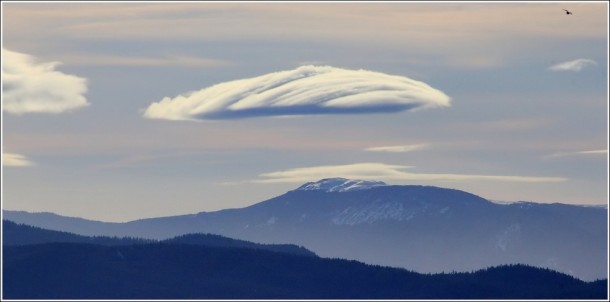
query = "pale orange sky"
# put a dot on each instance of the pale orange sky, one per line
(510, 112)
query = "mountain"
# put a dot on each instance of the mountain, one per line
(19, 234)
(421, 228)
(185, 271)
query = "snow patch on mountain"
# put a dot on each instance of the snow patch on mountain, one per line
(272, 220)
(508, 236)
(375, 211)
(389, 209)
(340, 185)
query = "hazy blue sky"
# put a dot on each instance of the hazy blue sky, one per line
(508, 101)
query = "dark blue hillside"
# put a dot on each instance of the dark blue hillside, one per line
(21, 234)
(185, 271)
(221, 241)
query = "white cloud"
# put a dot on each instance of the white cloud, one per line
(384, 172)
(575, 65)
(577, 153)
(397, 149)
(32, 87)
(600, 152)
(15, 160)
(307, 90)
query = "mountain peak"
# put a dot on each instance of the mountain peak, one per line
(340, 185)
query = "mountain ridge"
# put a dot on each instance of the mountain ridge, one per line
(45, 264)
(184, 271)
(423, 228)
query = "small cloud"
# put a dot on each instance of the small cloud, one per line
(519, 124)
(599, 152)
(307, 90)
(575, 65)
(397, 149)
(578, 153)
(384, 172)
(31, 87)
(15, 160)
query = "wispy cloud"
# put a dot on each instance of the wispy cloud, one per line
(32, 87)
(578, 153)
(157, 61)
(575, 65)
(15, 160)
(381, 171)
(418, 27)
(397, 149)
(307, 90)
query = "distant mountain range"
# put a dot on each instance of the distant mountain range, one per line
(45, 264)
(421, 228)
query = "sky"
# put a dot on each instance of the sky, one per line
(116, 111)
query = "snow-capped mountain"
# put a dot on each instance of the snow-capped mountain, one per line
(422, 228)
(340, 185)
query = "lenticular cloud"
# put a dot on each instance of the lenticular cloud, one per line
(307, 90)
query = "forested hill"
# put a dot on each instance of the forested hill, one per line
(187, 271)
(21, 234)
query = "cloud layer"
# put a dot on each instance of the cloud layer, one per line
(578, 153)
(381, 171)
(31, 87)
(93, 59)
(15, 160)
(575, 65)
(307, 90)
(397, 149)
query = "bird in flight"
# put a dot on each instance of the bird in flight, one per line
(568, 12)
